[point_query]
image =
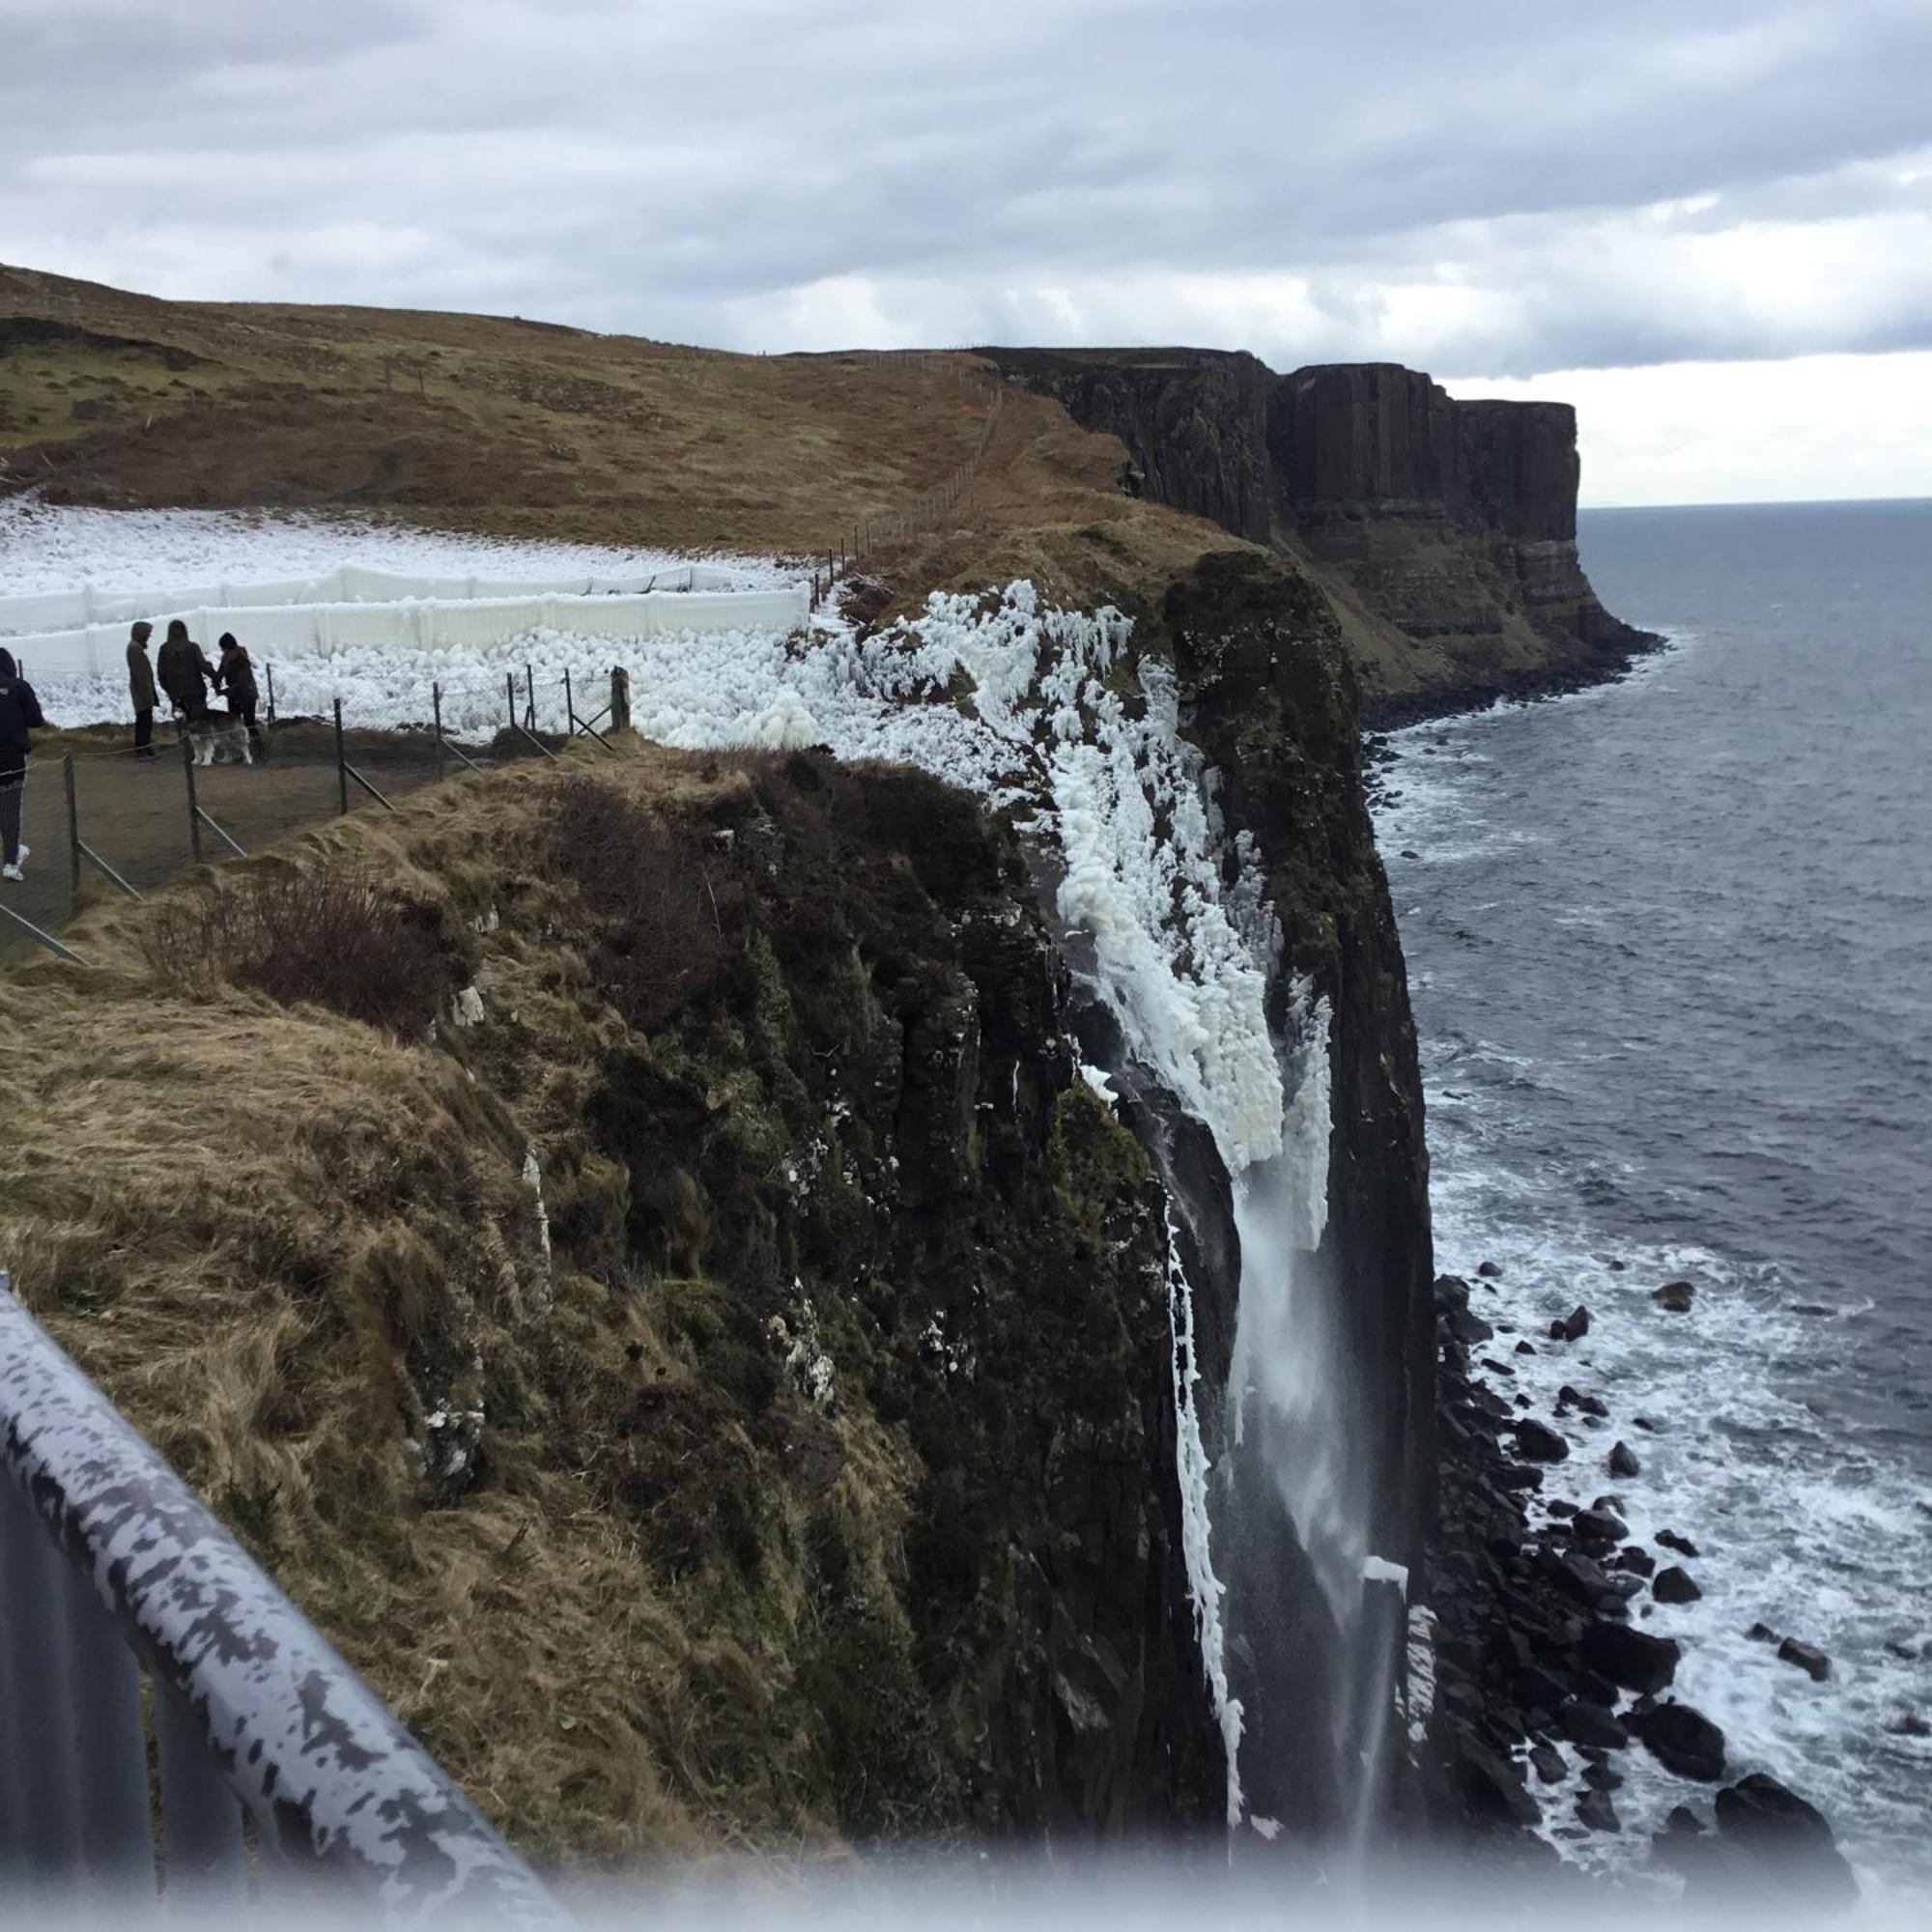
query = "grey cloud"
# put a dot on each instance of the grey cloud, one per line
(697, 169)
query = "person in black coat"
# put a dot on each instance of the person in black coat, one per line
(185, 671)
(234, 676)
(19, 714)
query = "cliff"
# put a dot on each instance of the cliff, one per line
(723, 1394)
(1444, 532)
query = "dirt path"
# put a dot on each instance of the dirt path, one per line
(134, 814)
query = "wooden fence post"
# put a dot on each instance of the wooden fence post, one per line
(73, 828)
(620, 698)
(193, 808)
(341, 765)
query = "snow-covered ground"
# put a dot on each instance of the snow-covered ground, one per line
(44, 548)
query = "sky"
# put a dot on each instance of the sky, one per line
(1708, 223)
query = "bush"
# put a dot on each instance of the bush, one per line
(335, 937)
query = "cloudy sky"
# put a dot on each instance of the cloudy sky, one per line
(1707, 222)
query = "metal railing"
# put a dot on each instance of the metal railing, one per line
(110, 1568)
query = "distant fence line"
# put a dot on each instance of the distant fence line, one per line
(926, 510)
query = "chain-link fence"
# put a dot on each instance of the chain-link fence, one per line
(104, 818)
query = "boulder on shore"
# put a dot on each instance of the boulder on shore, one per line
(1675, 1585)
(1624, 1462)
(1808, 1657)
(1680, 1740)
(1683, 1545)
(1631, 1657)
(1675, 1296)
(1573, 1327)
(1538, 1443)
(1770, 1838)
(1573, 1398)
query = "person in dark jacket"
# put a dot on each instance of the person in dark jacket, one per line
(234, 676)
(141, 689)
(185, 671)
(20, 715)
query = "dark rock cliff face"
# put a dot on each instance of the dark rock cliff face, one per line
(1195, 423)
(985, 1249)
(1448, 529)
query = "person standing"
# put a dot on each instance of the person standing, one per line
(185, 671)
(235, 675)
(141, 689)
(19, 714)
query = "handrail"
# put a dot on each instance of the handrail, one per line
(330, 1775)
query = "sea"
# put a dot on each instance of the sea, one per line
(1670, 944)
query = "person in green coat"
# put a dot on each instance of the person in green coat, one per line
(141, 689)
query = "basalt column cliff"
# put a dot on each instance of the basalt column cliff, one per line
(1444, 532)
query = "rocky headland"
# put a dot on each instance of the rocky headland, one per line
(1442, 532)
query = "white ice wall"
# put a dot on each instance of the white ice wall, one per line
(57, 611)
(274, 630)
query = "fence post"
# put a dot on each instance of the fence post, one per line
(436, 704)
(569, 704)
(620, 698)
(510, 699)
(72, 829)
(531, 695)
(193, 807)
(271, 669)
(341, 764)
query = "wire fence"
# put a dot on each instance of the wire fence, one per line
(103, 817)
(927, 510)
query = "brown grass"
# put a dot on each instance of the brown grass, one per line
(481, 421)
(279, 1238)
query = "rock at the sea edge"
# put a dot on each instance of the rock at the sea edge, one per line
(1628, 1657)
(1683, 1545)
(1575, 1397)
(1538, 1443)
(1680, 1740)
(1675, 1585)
(1595, 1809)
(1590, 1724)
(1547, 1761)
(1623, 1461)
(1674, 1297)
(1491, 1785)
(1808, 1657)
(1636, 1559)
(1489, 1272)
(1598, 1527)
(1909, 1724)
(1573, 1327)
(1770, 1838)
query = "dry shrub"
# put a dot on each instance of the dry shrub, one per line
(335, 937)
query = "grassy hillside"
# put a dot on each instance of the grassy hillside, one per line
(530, 429)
